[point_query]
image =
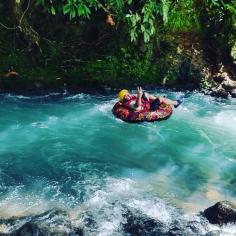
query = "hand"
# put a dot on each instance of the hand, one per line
(139, 91)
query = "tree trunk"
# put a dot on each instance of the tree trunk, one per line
(31, 36)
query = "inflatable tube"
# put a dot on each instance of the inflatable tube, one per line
(163, 112)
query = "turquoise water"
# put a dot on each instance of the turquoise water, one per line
(71, 153)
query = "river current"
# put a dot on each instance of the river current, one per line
(70, 153)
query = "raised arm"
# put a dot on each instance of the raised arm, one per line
(139, 97)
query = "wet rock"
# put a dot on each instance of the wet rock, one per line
(182, 227)
(138, 224)
(33, 229)
(51, 223)
(221, 213)
(233, 93)
(220, 93)
(206, 91)
(217, 79)
(30, 229)
(214, 233)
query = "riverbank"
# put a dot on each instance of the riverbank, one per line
(183, 65)
(52, 51)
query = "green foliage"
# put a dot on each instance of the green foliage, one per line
(233, 51)
(133, 20)
(78, 8)
(117, 6)
(144, 22)
(72, 8)
(166, 8)
(105, 69)
(218, 10)
(135, 65)
(149, 15)
(184, 16)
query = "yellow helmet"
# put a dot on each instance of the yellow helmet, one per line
(122, 94)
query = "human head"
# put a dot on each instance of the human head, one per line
(123, 94)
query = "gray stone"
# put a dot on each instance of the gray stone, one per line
(221, 213)
(213, 233)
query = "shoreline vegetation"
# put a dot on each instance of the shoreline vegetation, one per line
(117, 44)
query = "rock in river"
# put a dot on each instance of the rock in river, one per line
(221, 213)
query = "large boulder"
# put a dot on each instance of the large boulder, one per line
(138, 224)
(221, 213)
(220, 93)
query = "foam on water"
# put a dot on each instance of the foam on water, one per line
(104, 205)
(72, 154)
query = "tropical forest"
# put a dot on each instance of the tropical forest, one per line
(118, 117)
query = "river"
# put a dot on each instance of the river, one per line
(71, 153)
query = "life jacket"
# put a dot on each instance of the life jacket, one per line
(131, 103)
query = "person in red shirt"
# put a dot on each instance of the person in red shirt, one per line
(144, 101)
(134, 102)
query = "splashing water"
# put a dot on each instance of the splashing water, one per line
(73, 154)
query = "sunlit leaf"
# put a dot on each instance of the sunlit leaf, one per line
(53, 11)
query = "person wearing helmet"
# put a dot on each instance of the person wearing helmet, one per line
(133, 102)
(144, 100)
